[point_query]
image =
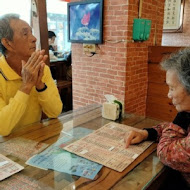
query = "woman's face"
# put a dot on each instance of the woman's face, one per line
(177, 93)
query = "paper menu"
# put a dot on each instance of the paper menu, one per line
(22, 148)
(106, 146)
(55, 158)
(8, 167)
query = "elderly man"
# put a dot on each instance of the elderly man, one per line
(26, 85)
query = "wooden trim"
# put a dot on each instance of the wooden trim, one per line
(157, 53)
(158, 104)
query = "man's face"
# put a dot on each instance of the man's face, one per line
(177, 93)
(52, 40)
(24, 43)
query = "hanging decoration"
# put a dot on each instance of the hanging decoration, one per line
(65, 0)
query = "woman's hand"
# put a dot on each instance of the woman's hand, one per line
(134, 137)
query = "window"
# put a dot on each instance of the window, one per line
(57, 22)
(21, 7)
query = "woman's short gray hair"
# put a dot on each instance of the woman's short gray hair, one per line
(5, 29)
(180, 62)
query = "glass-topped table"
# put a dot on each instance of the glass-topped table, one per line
(29, 140)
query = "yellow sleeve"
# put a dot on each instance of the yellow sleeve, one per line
(49, 99)
(10, 114)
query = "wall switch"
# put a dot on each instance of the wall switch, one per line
(89, 48)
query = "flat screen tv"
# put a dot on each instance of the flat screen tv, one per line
(85, 21)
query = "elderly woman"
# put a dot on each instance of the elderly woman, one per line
(174, 138)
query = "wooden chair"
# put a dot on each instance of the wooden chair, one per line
(65, 91)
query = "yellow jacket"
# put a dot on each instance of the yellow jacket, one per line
(17, 108)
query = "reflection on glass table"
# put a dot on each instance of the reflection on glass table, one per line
(36, 137)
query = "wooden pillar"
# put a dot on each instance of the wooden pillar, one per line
(42, 14)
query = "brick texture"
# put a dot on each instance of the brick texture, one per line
(137, 54)
(120, 67)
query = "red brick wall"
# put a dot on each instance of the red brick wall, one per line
(137, 54)
(120, 68)
(182, 38)
(104, 73)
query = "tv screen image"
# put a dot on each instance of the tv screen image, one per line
(85, 21)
